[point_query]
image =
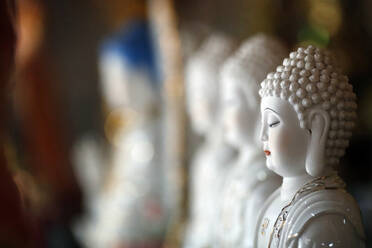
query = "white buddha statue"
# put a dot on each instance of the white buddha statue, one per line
(249, 182)
(132, 208)
(212, 159)
(308, 111)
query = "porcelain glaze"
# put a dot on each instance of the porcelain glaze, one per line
(308, 111)
(249, 183)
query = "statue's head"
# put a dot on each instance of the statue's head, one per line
(128, 68)
(241, 76)
(202, 81)
(308, 110)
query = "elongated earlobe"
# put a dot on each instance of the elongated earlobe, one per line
(319, 125)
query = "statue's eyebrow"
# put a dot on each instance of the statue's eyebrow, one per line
(271, 110)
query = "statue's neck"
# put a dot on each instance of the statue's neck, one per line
(291, 185)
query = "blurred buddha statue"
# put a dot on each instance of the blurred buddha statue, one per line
(308, 110)
(249, 182)
(192, 35)
(209, 164)
(131, 209)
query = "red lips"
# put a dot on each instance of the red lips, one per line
(267, 152)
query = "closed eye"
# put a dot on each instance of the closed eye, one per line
(274, 124)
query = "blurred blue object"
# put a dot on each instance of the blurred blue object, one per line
(134, 44)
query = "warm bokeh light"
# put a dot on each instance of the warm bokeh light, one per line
(326, 14)
(31, 28)
(118, 122)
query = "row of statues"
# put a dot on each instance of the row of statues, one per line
(290, 119)
(275, 126)
(265, 175)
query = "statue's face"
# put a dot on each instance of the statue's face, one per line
(124, 86)
(284, 141)
(201, 102)
(115, 80)
(238, 116)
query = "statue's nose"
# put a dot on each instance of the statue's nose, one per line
(263, 134)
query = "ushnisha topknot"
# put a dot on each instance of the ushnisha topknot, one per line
(253, 60)
(310, 78)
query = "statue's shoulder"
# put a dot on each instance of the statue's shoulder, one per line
(324, 215)
(326, 201)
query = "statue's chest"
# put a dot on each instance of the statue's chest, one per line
(265, 226)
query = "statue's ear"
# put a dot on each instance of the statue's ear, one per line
(318, 123)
